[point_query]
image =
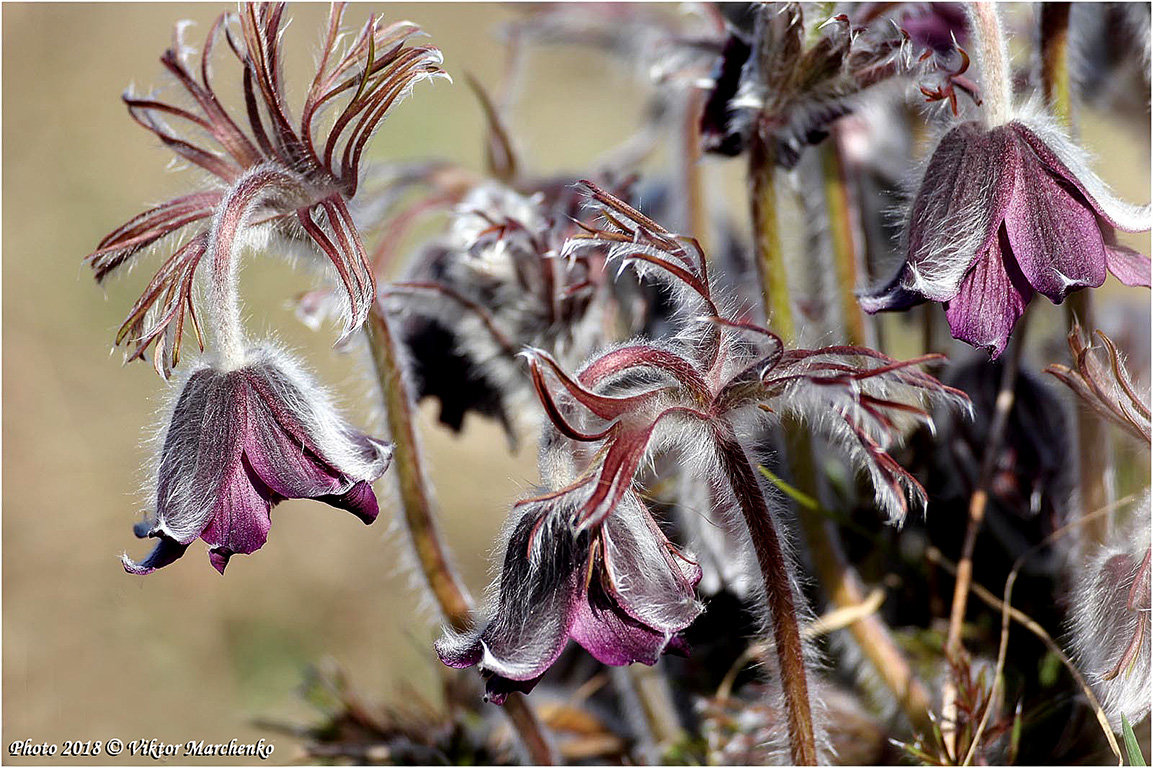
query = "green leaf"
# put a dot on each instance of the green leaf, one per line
(794, 493)
(1050, 669)
(1132, 748)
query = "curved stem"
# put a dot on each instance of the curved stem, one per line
(778, 594)
(233, 213)
(451, 595)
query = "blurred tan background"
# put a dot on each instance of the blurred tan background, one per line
(92, 653)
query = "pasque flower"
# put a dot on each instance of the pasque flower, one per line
(491, 285)
(1007, 207)
(249, 427)
(620, 589)
(691, 395)
(312, 174)
(240, 441)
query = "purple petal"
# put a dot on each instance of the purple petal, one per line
(992, 298)
(497, 688)
(164, 553)
(286, 462)
(959, 206)
(1054, 234)
(1127, 265)
(459, 651)
(360, 501)
(1118, 214)
(543, 569)
(642, 576)
(240, 519)
(610, 635)
(893, 296)
(202, 446)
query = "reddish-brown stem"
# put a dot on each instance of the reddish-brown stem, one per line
(779, 595)
(844, 589)
(420, 521)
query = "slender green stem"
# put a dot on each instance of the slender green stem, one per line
(779, 595)
(841, 583)
(420, 521)
(846, 238)
(770, 257)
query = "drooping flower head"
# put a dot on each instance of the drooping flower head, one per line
(240, 441)
(249, 428)
(621, 590)
(1008, 207)
(306, 175)
(692, 395)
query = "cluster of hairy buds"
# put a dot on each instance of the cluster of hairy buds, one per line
(789, 86)
(606, 567)
(493, 285)
(249, 427)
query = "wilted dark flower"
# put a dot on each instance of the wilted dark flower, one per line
(1112, 623)
(302, 175)
(779, 84)
(491, 286)
(1003, 212)
(620, 589)
(239, 441)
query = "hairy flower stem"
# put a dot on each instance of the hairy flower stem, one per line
(1094, 450)
(839, 580)
(451, 596)
(1055, 77)
(769, 255)
(842, 585)
(846, 237)
(223, 314)
(778, 594)
(992, 62)
(978, 502)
